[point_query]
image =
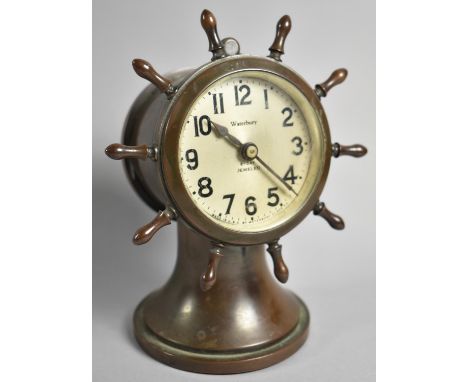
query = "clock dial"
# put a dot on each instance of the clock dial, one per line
(251, 150)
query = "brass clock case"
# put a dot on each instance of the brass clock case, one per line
(169, 148)
(233, 317)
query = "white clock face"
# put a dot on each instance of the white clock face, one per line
(251, 151)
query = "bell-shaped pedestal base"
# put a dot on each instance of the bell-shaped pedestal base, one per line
(245, 322)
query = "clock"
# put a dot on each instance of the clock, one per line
(237, 152)
(248, 158)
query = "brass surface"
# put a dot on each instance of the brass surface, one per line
(244, 290)
(145, 233)
(355, 151)
(145, 70)
(283, 27)
(332, 219)
(280, 269)
(169, 145)
(117, 151)
(208, 278)
(336, 78)
(209, 24)
(143, 124)
(246, 321)
(221, 311)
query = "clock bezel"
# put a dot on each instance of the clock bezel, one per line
(170, 134)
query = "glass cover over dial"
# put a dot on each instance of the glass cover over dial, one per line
(251, 151)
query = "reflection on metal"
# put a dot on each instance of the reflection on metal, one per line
(246, 315)
(235, 317)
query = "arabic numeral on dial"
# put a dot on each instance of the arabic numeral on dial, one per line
(287, 121)
(265, 97)
(191, 157)
(289, 176)
(218, 100)
(250, 206)
(299, 148)
(204, 187)
(202, 125)
(243, 100)
(273, 196)
(231, 200)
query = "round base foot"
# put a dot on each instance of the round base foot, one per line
(213, 362)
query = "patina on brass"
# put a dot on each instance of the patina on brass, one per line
(169, 137)
(332, 219)
(145, 233)
(246, 321)
(216, 316)
(209, 24)
(145, 70)
(279, 266)
(356, 151)
(209, 277)
(282, 30)
(212, 316)
(336, 78)
(118, 151)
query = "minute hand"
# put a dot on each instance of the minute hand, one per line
(276, 175)
(223, 131)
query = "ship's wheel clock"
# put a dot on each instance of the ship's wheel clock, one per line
(237, 152)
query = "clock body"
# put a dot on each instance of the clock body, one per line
(238, 152)
(203, 177)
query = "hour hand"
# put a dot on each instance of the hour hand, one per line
(248, 151)
(223, 132)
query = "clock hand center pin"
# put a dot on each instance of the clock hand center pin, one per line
(248, 151)
(214, 203)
